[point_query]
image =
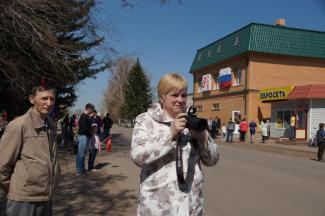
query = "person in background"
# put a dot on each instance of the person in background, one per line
(161, 144)
(264, 130)
(64, 130)
(243, 127)
(214, 126)
(320, 142)
(293, 127)
(71, 132)
(230, 130)
(108, 123)
(29, 170)
(94, 147)
(252, 130)
(223, 132)
(219, 125)
(96, 119)
(210, 124)
(268, 126)
(84, 134)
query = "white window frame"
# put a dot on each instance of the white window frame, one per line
(209, 53)
(219, 49)
(215, 108)
(200, 87)
(199, 108)
(216, 86)
(235, 80)
(199, 57)
(236, 43)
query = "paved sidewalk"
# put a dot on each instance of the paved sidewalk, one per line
(110, 190)
(273, 145)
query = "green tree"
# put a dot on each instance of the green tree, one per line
(137, 93)
(49, 40)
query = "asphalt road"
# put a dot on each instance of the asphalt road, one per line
(254, 183)
(245, 182)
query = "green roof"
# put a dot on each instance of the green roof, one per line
(262, 38)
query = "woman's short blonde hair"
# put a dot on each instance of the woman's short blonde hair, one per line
(170, 82)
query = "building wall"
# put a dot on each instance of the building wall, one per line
(268, 71)
(234, 99)
(214, 71)
(316, 114)
(263, 71)
(189, 99)
(227, 105)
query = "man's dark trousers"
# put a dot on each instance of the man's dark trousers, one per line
(321, 148)
(15, 208)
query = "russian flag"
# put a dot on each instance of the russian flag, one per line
(224, 79)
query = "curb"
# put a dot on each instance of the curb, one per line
(274, 149)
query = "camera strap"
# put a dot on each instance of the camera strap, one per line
(184, 184)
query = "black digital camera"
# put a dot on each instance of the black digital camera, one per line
(194, 122)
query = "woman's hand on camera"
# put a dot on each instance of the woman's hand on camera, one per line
(178, 124)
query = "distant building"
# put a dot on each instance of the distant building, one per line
(252, 71)
(189, 99)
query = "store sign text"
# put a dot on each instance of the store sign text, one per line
(275, 93)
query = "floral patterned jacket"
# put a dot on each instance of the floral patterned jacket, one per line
(154, 149)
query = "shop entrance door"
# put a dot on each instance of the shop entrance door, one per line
(236, 117)
(301, 125)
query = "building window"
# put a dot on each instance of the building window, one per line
(215, 106)
(199, 57)
(283, 118)
(219, 49)
(216, 86)
(237, 72)
(199, 85)
(199, 108)
(209, 53)
(236, 41)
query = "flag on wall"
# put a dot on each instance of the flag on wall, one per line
(206, 82)
(224, 78)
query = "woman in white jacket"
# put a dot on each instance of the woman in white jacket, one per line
(264, 126)
(159, 134)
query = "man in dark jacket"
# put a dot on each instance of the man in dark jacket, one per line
(230, 130)
(320, 142)
(84, 134)
(28, 167)
(108, 123)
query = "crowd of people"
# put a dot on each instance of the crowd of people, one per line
(70, 125)
(84, 134)
(226, 131)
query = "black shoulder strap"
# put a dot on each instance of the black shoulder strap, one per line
(185, 184)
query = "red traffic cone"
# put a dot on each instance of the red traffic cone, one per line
(108, 142)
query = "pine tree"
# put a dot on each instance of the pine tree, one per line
(137, 93)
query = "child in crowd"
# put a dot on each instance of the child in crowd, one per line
(94, 147)
(224, 132)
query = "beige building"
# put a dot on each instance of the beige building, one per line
(232, 74)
